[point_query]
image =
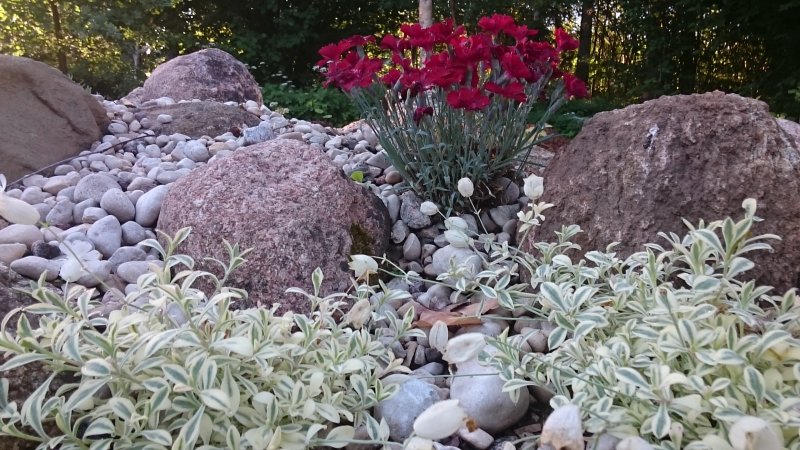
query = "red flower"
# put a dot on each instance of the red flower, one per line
(332, 52)
(497, 23)
(513, 91)
(391, 77)
(422, 111)
(441, 70)
(390, 42)
(574, 86)
(473, 49)
(565, 42)
(443, 32)
(521, 33)
(471, 99)
(418, 36)
(513, 64)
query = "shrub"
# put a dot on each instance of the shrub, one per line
(569, 120)
(175, 368)
(311, 103)
(446, 105)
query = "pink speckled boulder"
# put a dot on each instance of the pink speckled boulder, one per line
(208, 74)
(289, 203)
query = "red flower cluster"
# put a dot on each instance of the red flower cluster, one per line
(472, 70)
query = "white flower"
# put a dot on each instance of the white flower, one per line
(464, 348)
(440, 420)
(78, 252)
(753, 433)
(15, 210)
(438, 335)
(428, 208)
(533, 187)
(363, 265)
(360, 313)
(465, 187)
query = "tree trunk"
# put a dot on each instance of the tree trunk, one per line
(453, 11)
(585, 35)
(426, 13)
(60, 44)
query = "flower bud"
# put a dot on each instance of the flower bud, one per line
(363, 265)
(440, 420)
(428, 208)
(533, 187)
(465, 187)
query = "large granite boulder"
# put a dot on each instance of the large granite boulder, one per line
(289, 203)
(633, 172)
(196, 119)
(209, 74)
(44, 117)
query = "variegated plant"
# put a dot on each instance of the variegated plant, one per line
(667, 344)
(185, 371)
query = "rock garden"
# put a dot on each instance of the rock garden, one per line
(187, 268)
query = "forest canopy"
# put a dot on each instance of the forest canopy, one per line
(632, 50)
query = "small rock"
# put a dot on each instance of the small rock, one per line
(196, 151)
(164, 118)
(262, 132)
(510, 191)
(410, 213)
(393, 205)
(61, 215)
(93, 186)
(292, 135)
(116, 203)
(399, 232)
(45, 250)
(479, 390)
(393, 177)
(79, 209)
(411, 247)
(133, 233)
(149, 206)
(502, 214)
(34, 266)
(460, 256)
(106, 235)
(20, 234)
(56, 184)
(12, 252)
(477, 438)
(126, 254)
(93, 214)
(33, 195)
(400, 410)
(131, 270)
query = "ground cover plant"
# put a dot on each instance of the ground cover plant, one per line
(666, 348)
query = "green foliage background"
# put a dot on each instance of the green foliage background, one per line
(640, 49)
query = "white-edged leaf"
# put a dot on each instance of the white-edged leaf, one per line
(191, 430)
(633, 377)
(661, 422)
(176, 374)
(21, 360)
(242, 345)
(96, 367)
(86, 389)
(122, 407)
(159, 341)
(216, 399)
(556, 338)
(552, 293)
(340, 436)
(99, 427)
(754, 381)
(161, 437)
(703, 283)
